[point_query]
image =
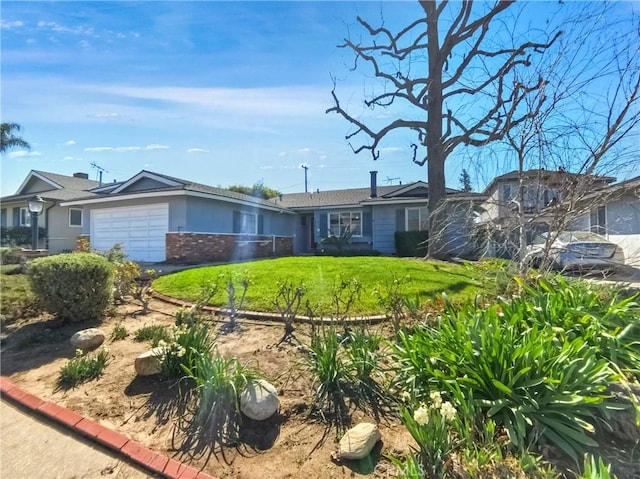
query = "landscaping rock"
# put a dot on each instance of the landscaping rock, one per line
(359, 441)
(621, 424)
(259, 400)
(88, 339)
(150, 362)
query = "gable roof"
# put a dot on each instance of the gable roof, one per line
(559, 176)
(63, 188)
(169, 186)
(356, 197)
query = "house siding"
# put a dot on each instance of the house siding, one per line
(144, 184)
(61, 237)
(35, 185)
(384, 228)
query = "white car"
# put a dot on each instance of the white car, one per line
(575, 250)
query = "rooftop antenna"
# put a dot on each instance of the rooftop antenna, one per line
(305, 167)
(100, 170)
(391, 180)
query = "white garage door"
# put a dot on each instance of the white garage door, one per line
(140, 230)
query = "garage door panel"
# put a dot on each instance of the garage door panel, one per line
(140, 229)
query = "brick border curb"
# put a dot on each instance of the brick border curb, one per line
(119, 443)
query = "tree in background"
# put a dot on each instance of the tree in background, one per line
(258, 190)
(9, 140)
(465, 181)
(466, 96)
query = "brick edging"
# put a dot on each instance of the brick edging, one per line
(115, 441)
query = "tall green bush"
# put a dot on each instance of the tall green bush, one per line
(411, 243)
(74, 287)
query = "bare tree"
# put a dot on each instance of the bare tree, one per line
(452, 38)
(580, 125)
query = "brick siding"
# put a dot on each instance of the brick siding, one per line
(210, 247)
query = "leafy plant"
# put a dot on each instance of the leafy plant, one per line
(593, 469)
(393, 300)
(344, 294)
(153, 333)
(187, 344)
(119, 333)
(82, 368)
(519, 374)
(330, 376)
(218, 381)
(233, 303)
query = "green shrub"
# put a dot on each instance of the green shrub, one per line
(519, 373)
(11, 256)
(82, 368)
(74, 287)
(153, 333)
(411, 243)
(19, 235)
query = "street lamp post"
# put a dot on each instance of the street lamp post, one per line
(36, 205)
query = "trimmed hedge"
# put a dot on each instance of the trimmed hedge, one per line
(75, 287)
(19, 235)
(407, 243)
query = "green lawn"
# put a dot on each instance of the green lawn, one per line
(319, 273)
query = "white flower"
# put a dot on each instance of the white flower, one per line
(405, 396)
(421, 415)
(538, 309)
(162, 343)
(448, 411)
(436, 399)
(79, 352)
(181, 352)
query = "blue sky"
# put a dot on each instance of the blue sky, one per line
(217, 92)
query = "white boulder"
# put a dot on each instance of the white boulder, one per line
(358, 441)
(150, 362)
(88, 339)
(259, 400)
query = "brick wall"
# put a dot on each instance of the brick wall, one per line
(210, 247)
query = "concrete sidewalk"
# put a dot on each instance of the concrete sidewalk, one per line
(33, 447)
(40, 439)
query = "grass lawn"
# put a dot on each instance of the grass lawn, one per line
(17, 298)
(319, 274)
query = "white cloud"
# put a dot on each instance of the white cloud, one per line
(266, 167)
(197, 150)
(70, 142)
(85, 45)
(155, 146)
(24, 154)
(99, 148)
(392, 149)
(5, 25)
(104, 116)
(304, 150)
(282, 153)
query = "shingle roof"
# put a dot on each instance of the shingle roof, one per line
(71, 188)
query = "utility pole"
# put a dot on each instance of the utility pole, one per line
(305, 167)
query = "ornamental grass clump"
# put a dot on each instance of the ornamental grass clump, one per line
(82, 368)
(538, 386)
(218, 383)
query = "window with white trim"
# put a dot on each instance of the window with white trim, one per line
(345, 221)
(247, 223)
(598, 220)
(25, 216)
(417, 219)
(75, 217)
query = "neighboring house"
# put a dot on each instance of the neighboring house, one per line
(373, 215)
(614, 212)
(63, 224)
(541, 188)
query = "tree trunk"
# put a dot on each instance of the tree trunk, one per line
(435, 156)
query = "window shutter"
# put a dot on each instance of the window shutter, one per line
(16, 217)
(400, 220)
(323, 225)
(366, 223)
(260, 224)
(237, 226)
